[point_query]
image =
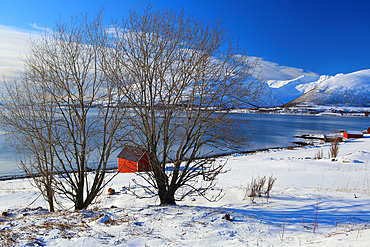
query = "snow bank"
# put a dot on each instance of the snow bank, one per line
(333, 193)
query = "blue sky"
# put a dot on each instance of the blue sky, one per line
(323, 37)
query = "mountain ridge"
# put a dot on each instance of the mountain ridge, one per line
(344, 89)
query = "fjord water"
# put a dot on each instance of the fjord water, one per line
(271, 131)
(279, 130)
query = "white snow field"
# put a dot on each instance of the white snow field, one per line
(334, 194)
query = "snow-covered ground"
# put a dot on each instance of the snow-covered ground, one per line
(335, 194)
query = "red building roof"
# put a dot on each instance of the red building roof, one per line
(131, 153)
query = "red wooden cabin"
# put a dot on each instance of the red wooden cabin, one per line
(132, 159)
(353, 134)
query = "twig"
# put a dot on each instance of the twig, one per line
(34, 200)
(282, 236)
(317, 211)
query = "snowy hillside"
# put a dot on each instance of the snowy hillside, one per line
(265, 98)
(344, 89)
(260, 95)
(286, 91)
(348, 89)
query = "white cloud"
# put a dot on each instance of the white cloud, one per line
(13, 44)
(37, 27)
(274, 71)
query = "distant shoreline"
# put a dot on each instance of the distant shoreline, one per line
(340, 111)
(298, 145)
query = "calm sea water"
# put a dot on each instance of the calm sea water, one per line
(279, 130)
(273, 131)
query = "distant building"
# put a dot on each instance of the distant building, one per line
(332, 138)
(133, 159)
(353, 134)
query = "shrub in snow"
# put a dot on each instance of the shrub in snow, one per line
(257, 187)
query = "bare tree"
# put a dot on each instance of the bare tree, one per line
(334, 148)
(28, 116)
(182, 77)
(67, 116)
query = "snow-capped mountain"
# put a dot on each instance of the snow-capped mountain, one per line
(288, 90)
(349, 89)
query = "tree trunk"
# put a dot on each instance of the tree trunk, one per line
(79, 203)
(50, 197)
(167, 197)
(51, 204)
(90, 197)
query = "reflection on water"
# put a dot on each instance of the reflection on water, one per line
(271, 131)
